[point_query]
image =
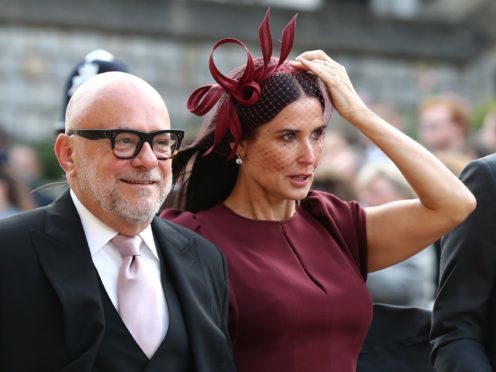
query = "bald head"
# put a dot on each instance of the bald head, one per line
(124, 193)
(102, 95)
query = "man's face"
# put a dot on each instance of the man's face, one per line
(116, 190)
(132, 193)
(438, 130)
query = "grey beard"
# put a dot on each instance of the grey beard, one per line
(135, 213)
(109, 200)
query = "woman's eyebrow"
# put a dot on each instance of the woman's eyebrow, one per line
(285, 130)
(296, 130)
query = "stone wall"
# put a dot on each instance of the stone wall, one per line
(168, 44)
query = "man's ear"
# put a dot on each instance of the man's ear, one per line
(63, 152)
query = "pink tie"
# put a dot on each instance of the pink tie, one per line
(138, 301)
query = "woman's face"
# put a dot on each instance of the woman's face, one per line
(280, 161)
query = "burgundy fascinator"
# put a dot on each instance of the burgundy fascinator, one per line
(247, 89)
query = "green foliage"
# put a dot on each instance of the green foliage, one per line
(49, 165)
(480, 112)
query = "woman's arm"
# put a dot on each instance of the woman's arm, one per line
(443, 201)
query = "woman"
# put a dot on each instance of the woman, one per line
(298, 259)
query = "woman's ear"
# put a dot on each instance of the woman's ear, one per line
(240, 149)
(64, 153)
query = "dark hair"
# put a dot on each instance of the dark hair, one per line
(201, 181)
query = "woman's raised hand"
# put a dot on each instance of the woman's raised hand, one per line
(341, 91)
(443, 200)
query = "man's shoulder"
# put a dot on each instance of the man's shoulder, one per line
(486, 161)
(490, 158)
(16, 231)
(23, 220)
(183, 235)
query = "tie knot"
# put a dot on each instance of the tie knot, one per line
(127, 245)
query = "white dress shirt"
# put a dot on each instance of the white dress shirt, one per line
(107, 259)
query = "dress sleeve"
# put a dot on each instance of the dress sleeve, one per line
(183, 218)
(345, 221)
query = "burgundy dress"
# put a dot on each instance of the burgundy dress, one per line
(298, 298)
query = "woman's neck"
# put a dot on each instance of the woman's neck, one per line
(256, 204)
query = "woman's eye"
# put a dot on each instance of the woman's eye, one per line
(288, 137)
(318, 134)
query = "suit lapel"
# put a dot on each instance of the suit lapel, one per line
(66, 260)
(181, 259)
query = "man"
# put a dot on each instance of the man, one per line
(463, 334)
(444, 125)
(64, 283)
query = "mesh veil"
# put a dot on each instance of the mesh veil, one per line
(278, 90)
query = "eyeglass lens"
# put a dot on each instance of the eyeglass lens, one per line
(163, 144)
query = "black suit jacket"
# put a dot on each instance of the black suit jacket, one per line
(463, 334)
(397, 341)
(51, 314)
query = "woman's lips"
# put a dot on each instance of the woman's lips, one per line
(301, 179)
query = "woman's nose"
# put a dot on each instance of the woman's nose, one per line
(308, 152)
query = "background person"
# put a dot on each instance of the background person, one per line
(95, 62)
(411, 282)
(463, 334)
(444, 125)
(24, 162)
(14, 195)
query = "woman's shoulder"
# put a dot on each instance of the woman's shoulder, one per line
(196, 221)
(183, 218)
(344, 216)
(345, 220)
(320, 202)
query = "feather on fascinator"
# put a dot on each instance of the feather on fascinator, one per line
(245, 90)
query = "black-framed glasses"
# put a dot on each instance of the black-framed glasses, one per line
(127, 143)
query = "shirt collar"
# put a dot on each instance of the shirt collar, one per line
(98, 234)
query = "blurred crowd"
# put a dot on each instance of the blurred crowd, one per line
(24, 184)
(354, 169)
(21, 178)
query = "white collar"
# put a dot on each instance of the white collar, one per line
(98, 234)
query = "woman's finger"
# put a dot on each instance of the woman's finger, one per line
(318, 66)
(314, 54)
